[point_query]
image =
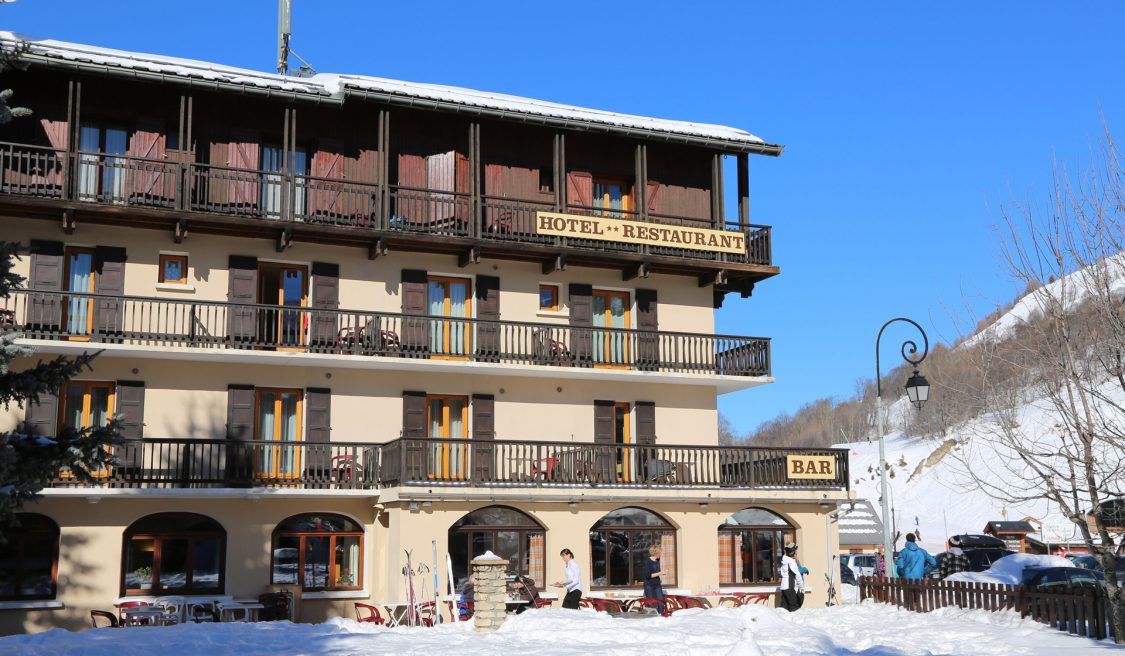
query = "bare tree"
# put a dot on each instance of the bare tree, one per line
(1052, 388)
(727, 435)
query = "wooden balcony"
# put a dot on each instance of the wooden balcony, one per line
(211, 463)
(160, 322)
(182, 195)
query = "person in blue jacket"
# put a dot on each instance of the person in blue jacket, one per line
(913, 561)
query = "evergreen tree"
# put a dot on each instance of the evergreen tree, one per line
(28, 462)
(10, 59)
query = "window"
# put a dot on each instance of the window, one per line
(318, 552)
(548, 298)
(79, 277)
(611, 316)
(504, 531)
(621, 436)
(278, 422)
(750, 543)
(449, 297)
(273, 166)
(29, 560)
(86, 404)
(285, 286)
(612, 197)
(173, 269)
(180, 553)
(100, 175)
(448, 418)
(619, 545)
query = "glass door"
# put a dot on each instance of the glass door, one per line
(611, 314)
(101, 176)
(449, 297)
(611, 197)
(448, 420)
(279, 423)
(86, 405)
(621, 438)
(273, 181)
(79, 277)
(284, 286)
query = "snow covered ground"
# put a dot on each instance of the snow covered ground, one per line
(868, 629)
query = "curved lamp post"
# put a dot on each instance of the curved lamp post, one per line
(918, 391)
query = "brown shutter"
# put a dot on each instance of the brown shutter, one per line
(648, 342)
(581, 316)
(42, 416)
(243, 155)
(410, 205)
(325, 294)
(484, 431)
(646, 423)
(242, 287)
(109, 269)
(327, 163)
(441, 175)
(46, 275)
(580, 191)
(148, 142)
(52, 174)
(461, 178)
(488, 310)
(318, 422)
(604, 450)
(131, 406)
(240, 428)
(415, 336)
(652, 200)
(413, 426)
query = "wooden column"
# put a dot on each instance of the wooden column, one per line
(384, 217)
(474, 181)
(717, 190)
(743, 190)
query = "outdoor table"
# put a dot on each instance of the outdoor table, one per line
(142, 615)
(398, 613)
(239, 611)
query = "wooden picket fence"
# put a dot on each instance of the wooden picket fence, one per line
(1079, 611)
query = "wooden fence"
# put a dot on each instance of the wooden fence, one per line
(1078, 610)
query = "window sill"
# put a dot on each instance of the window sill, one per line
(758, 587)
(31, 605)
(168, 287)
(631, 593)
(556, 315)
(337, 594)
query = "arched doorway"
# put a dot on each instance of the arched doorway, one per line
(619, 544)
(506, 532)
(750, 543)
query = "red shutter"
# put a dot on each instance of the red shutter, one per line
(243, 154)
(409, 203)
(580, 191)
(147, 142)
(652, 200)
(461, 180)
(52, 174)
(441, 175)
(328, 165)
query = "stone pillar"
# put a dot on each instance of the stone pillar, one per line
(490, 590)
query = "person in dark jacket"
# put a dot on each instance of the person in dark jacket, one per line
(914, 561)
(654, 589)
(954, 561)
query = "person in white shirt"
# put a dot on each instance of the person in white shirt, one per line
(792, 584)
(573, 582)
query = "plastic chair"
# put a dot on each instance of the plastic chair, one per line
(465, 608)
(643, 604)
(367, 613)
(602, 605)
(95, 615)
(201, 611)
(128, 604)
(427, 613)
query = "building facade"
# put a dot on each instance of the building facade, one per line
(342, 318)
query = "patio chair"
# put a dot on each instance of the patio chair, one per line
(748, 598)
(602, 605)
(729, 602)
(465, 608)
(173, 610)
(201, 611)
(684, 601)
(109, 618)
(427, 613)
(128, 604)
(651, 606)
(368, 613)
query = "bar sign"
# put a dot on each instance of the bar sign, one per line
(810, 467)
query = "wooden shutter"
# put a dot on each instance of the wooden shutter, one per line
(484, 431)
(410, 205)
(109, 269)
(652, 199)
(148, 142)
(325, 294)
(42, 416)
(488, 309)
(604, 448)
(461, 181)
(327, 163)
(581, 316)
(415, 336)
(45, 311)
(240, 428)
(495, 188)
(131, 406)
(648, 342)
(318, 423)
(242, 287)
(580, 191)
(413, 428)
(52, 174)
(243, 154)
(441, 175)
(646, 423)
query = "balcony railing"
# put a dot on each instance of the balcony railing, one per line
(182, 186)
(211, 463)
(217, 325)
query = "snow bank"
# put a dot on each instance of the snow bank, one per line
(1009, 569)
(867, 629)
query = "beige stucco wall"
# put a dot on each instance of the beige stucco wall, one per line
(91, 544)
(369, 285)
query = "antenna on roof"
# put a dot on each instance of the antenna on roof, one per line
(284, 34)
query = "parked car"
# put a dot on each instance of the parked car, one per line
(1086, 561)
(981, 550)
(847, 576)
(859, 564)
(1061, 577)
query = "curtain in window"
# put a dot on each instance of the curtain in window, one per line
(726, 556)
(536, 551)
(89, 142)
(81, 267)
(457, 308)
(273, 164)
(668, 558)
(288, 456)
(114, 178)
(437, 309)
(456, 450)
(267, 462)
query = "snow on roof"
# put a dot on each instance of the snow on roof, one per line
(860, 524)
(339, 85)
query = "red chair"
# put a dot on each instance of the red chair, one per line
(753, 598)
(95, 615)
(640, 604)
(684, 601)
(427, 613)
(602, 605)
(465, 608)
(128, 604)
(367, 613)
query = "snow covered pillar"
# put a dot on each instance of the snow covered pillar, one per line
(490, 591)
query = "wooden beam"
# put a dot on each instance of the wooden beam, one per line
(713, 278)
(179, 233)
(747, 290)
(68, 221)
(556, 263)
(377, 248)
(471, 255)
(717, 298)
(639, 270)
(284, 239)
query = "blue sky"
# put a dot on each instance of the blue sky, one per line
(905, 125)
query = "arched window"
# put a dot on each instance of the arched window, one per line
(174, 552)
(504, 531)
(750, 543)
(619, 545)
(29, 560)
(318, 552)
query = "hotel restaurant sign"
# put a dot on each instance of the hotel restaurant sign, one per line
(636, 232)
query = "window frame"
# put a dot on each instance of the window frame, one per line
(165, 257)
(87, 407)
(554, 309)
(749, 532)
(158, 538)
(603, 529)
(523, 531)
(446, 451)
(68, 253)
(626, 196)
(18, 545)
(331, 535)
(280, 444)
(445, 321)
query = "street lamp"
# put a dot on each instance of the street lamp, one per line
(918, 391)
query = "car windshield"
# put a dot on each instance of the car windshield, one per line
(863, 561)
(1084, 577)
